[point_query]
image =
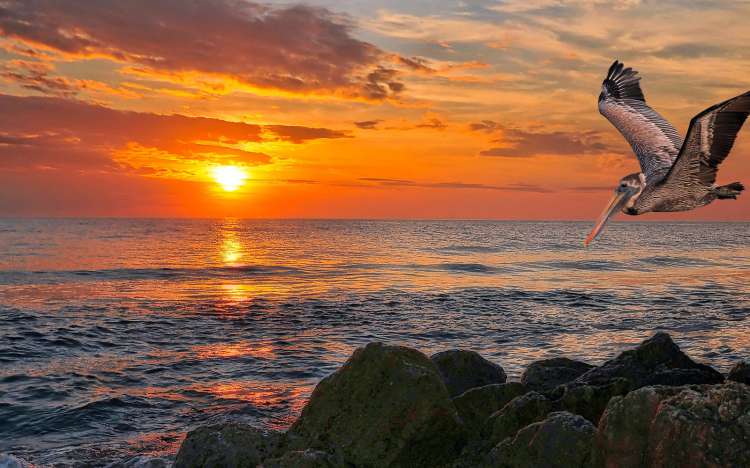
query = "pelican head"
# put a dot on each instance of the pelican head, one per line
(624, 198)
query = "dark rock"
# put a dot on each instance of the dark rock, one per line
(518, 413)
(562, 440)
(387, 406)
(588, 401)
(230, 445)
(548, 374)
(695, 426)
(463, 370)
(740, 372)
(622, 435)
(304, 459)
(656, 361)
(477, 404)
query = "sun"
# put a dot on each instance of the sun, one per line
(229, 177)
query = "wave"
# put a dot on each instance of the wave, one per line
(125, 274)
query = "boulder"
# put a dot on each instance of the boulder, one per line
(304, 459)
(477, 404)
(588, 401)
(656, 361)
(695, 426)
(622, 435)
(463, 370)
(740, 372)
(229, 445)
(387, 406)
(548, 374)
(562, 440)
(518, 413)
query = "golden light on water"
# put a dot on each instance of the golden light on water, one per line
(230, 178)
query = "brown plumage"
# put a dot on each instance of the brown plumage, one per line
(676, 175)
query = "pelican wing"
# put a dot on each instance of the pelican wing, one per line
(709, 139)
(654, 140)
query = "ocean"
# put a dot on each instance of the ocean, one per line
(119, 335)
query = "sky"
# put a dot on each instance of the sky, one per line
(348, 109)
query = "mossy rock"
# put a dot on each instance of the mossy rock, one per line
(230, 445)
(463, 370)
(387, 406)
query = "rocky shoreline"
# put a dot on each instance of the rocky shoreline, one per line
(393, 406)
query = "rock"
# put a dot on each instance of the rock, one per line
(477, 404)
(740, 372)
(230, 445)
(387, 406)
(463, 370)
(656, 361)
(304, 459)
(588, 401)
(548, 374)
(518, 413)
(622, 435)
(563, 440)
(695, 426)
(9, 461)
(141, 461)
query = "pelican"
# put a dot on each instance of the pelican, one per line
(676, 174)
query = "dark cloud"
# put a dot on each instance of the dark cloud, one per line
(296, 134)
(432, 123)
(368, 124)
(35, 76)
(381, 83)
(53, 133)
(384, 182)
(487, 126)
(416, 63)
(590, 188)
(295, 48)
(528, 143)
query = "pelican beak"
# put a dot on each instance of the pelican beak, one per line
(614, 204)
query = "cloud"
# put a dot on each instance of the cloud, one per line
(297, 134)
(516, 143)
(54, 133)
(433, 122)
(385, 182)
(299, 49)
(368, 124)
(38, 76)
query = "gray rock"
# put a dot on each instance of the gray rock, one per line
(740, 372)
(562, 440)
(548, 374)
(518, 413)
(463, 370)
(477, 404)
(387, 406)
(695, 426)
(656, 361)
(230, 445)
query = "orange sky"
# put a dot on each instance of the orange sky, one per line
(363, 108)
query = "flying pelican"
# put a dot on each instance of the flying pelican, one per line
(675, 175)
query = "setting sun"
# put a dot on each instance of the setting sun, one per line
(229, 177)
